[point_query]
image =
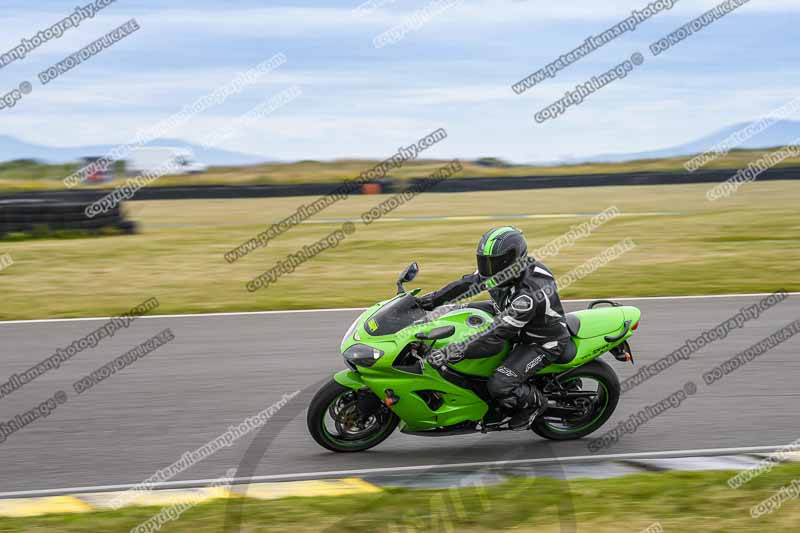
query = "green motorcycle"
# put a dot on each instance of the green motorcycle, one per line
(389, 382)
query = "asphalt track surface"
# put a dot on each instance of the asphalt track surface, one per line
(221, 369)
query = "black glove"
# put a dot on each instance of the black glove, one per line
(440, 357)
(437, 358)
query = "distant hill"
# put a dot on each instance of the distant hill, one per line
(12, 148)
(780, 133)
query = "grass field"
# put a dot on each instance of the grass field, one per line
(746, 243)
(26, 176)
(677, 501)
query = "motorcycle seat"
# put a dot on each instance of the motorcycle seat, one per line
(573, 324)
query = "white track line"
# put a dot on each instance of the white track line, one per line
(190, 315)
(465, 218)
(343, 309)
(706, 452)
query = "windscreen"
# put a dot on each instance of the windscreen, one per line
(394, 316)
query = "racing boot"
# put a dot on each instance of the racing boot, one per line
(524, 416)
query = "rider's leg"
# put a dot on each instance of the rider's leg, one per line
(509, 384)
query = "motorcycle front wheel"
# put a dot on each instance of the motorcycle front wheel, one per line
(343, 420)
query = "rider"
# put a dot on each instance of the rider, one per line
(529, 314)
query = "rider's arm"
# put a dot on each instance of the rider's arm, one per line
(450, 292)
(506, 326)
(510, 322)
(532, 302)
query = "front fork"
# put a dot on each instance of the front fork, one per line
(366, 400)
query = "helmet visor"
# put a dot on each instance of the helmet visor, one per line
(490, 265)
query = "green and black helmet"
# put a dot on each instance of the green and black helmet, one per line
(499, 248)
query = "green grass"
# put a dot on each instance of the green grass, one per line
(28, 169)
(678, 501)
(747, 243)
(25, 175)
(44, 233)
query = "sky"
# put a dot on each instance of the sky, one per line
(454, 71)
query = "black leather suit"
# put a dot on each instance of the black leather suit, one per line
(528, 313)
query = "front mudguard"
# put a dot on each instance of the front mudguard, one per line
(349, 379)
(352, 380)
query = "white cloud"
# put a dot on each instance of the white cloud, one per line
(355, 104)
(294, 21)
(287, 21)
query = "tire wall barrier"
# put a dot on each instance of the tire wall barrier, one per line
(43, 215)
(602, 180)
(390, 186)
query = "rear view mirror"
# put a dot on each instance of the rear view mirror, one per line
(436, 334)
(410, 273)
(407, 275)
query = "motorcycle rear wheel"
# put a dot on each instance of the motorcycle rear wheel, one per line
(597, 413)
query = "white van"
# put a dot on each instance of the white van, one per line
(151, 159)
